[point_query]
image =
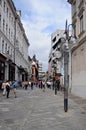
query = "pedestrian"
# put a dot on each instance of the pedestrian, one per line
(58, 84)
(43, 85)
(31, 85)
(26, 83)
(7, 88)
(4, 87)
(15, 85)
(14, 90)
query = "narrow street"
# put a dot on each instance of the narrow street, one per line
(38, 110)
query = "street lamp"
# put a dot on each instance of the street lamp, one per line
(65, 43)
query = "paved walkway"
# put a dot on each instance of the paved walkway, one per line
(38, 110)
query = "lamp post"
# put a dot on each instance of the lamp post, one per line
(65, 43)
(63, 49)
(67, 40)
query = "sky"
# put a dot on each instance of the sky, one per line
(41, 18)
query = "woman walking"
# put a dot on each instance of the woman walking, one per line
(4, 88)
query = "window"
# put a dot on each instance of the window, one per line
(3, 24)
(0, 20)
(54, 39)
(9, 33)
(6, 48)
(6, 29)
(7, 12)
(4, 5)
(2, 46)
(9, 16)
(81, 23)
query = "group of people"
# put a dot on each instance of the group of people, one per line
(40, 84)
(7, 86)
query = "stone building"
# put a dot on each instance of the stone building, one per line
(78, 10)
(13, 43)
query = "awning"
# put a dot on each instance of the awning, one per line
(22, 70)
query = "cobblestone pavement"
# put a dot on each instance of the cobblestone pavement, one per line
(38, 110)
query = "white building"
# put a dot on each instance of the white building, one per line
(78, 8)
(56, 62)
(56, 57)
(13, 43)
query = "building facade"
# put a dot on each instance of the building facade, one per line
(56, 60)
(13, 44)
(79, 53)
(34, 67)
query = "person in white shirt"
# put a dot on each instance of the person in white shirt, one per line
(8, 88)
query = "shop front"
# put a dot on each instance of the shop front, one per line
(2, 68)
(23, 74)
(11, 71)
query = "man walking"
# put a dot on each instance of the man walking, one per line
(7, 88)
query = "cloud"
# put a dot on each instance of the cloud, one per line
(40, 19)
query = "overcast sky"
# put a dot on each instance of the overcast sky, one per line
(40, 19)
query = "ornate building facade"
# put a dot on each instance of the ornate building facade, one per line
(13, 43)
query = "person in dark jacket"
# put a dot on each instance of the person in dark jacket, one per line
(7, 88)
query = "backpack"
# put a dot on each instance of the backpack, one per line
(7, 86)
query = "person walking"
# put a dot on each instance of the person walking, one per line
(56, 86)
(26, 83)
(31, 85)
(4, 88)
(43, 85)
(7, 88)
(15, 85)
